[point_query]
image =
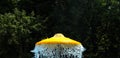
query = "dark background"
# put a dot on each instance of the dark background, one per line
(95, 23)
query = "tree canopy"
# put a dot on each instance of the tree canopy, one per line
(94, 23)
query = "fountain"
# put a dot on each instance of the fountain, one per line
(58, 46)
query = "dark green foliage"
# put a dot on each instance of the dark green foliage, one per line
(16, 34)
(94, 23)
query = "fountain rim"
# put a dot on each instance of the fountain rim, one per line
(58, 39)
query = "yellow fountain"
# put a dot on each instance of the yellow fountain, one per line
(58, 46)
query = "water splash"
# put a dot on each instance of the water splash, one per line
(55, 48)
(58, 51)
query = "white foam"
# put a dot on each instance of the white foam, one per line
(58, 51)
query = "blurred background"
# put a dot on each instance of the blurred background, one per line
(95, 23)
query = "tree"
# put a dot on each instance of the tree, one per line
(16, 34)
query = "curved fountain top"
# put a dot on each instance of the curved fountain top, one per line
(58, 39)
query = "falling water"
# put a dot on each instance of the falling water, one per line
(58, 51)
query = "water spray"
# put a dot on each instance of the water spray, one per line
(58, 46)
